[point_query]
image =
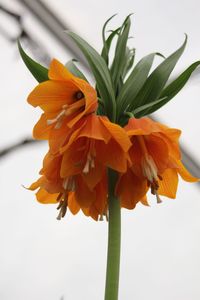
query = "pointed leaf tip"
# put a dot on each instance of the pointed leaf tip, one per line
(37, 70)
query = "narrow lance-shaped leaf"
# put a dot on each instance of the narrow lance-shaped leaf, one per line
(107, 45)
(120, 53)
(70, 65)
(129, 60)
(134, 83)
(173, 88)
(140, 111)
(156, 81)
(100, 72)
(104, 28)
(107, 41)
(38, 71)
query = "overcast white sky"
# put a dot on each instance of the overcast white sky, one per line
(41, 258)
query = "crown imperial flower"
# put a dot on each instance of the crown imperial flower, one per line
(65, 99)
(104, 151)
(155, 162)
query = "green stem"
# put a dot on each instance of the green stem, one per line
(114, 239)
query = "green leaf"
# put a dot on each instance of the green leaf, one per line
(119, 60)
(70, 65)
(104, 28)
(155, 83)
(107, 45)
(101, 74)
(38, 71)
(134, 83)
(139, 112)
(174, 87)
(129, 61)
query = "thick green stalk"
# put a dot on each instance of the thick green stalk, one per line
(114, 239)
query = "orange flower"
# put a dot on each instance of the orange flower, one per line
(155, 162)
(79, 172)
(65, 99)
(96, 144)
(71, 191)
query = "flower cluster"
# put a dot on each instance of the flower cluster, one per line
(83, 146)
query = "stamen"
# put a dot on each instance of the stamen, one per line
(104, 214)
(92, 165)
(158, 198)
(59, 197)
(62, 206)
(57, 119)
(89, 164)
(86, 169)
(67, 109)
(149, 169)
(69, 184)
(65, 183)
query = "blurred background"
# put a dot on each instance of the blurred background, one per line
(42, 258)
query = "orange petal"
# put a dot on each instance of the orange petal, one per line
(89, 127)
(45, 197)
(94, 129)
(170, 137)
(117, 133)
(158, 149)
(41, 130)
(141, 126)
(144, 201)
(72, 161)
(101, 195)
(57, 71)
(74, 207)
(91, 212)
(94, 175)
(84, 196)
(184, 173)
(130, 189)
(111, 155)
(51, 166)
(52, 95)
(35, 185)
(168, 186)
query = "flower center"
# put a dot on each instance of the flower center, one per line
(78, 95)
(67, 110)
(149, 169)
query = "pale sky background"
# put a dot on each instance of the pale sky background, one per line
(41, 258)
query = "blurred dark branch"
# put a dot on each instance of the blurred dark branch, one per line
(17, 146)
(36, 49)
(47, 17)
(11, 13)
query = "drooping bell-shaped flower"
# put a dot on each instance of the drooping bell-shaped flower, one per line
(64, 99)
(70, 192)
(155, 162)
